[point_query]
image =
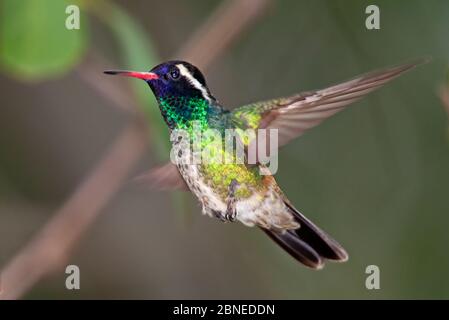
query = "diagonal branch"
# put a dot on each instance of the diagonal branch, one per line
(51, 247)
(221, 29)
(444, 97)
(115, 92)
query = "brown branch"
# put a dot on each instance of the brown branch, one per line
(220, 30)
(49, 250)
(444, 96)
(90, 72)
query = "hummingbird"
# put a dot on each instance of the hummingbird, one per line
(247, 192)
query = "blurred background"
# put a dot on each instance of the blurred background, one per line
(376, 176)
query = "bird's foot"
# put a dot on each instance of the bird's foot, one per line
(231, 211)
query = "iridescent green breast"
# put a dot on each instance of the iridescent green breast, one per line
(181, 112)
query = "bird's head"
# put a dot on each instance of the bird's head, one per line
(173, 79)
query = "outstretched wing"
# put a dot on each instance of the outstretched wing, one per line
(294, 115)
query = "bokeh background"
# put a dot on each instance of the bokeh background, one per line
(376, 176)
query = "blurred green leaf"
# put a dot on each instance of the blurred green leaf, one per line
(34, 41)
(139, 54)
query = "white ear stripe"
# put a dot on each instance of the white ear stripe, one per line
(185, 73)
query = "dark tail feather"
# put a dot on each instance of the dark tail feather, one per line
(299, 250)
(308, 244)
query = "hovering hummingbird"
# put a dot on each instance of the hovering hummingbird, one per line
(246, 192)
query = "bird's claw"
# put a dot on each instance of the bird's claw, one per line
(219, 215)
(231, 211)
(230, 216)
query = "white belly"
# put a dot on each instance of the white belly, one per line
(268, 210)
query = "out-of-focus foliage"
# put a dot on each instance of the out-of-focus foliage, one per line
(34, 44)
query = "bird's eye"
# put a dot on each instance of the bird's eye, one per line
(174, 74)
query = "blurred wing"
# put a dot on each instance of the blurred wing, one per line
(292, 116)
(165, 177)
